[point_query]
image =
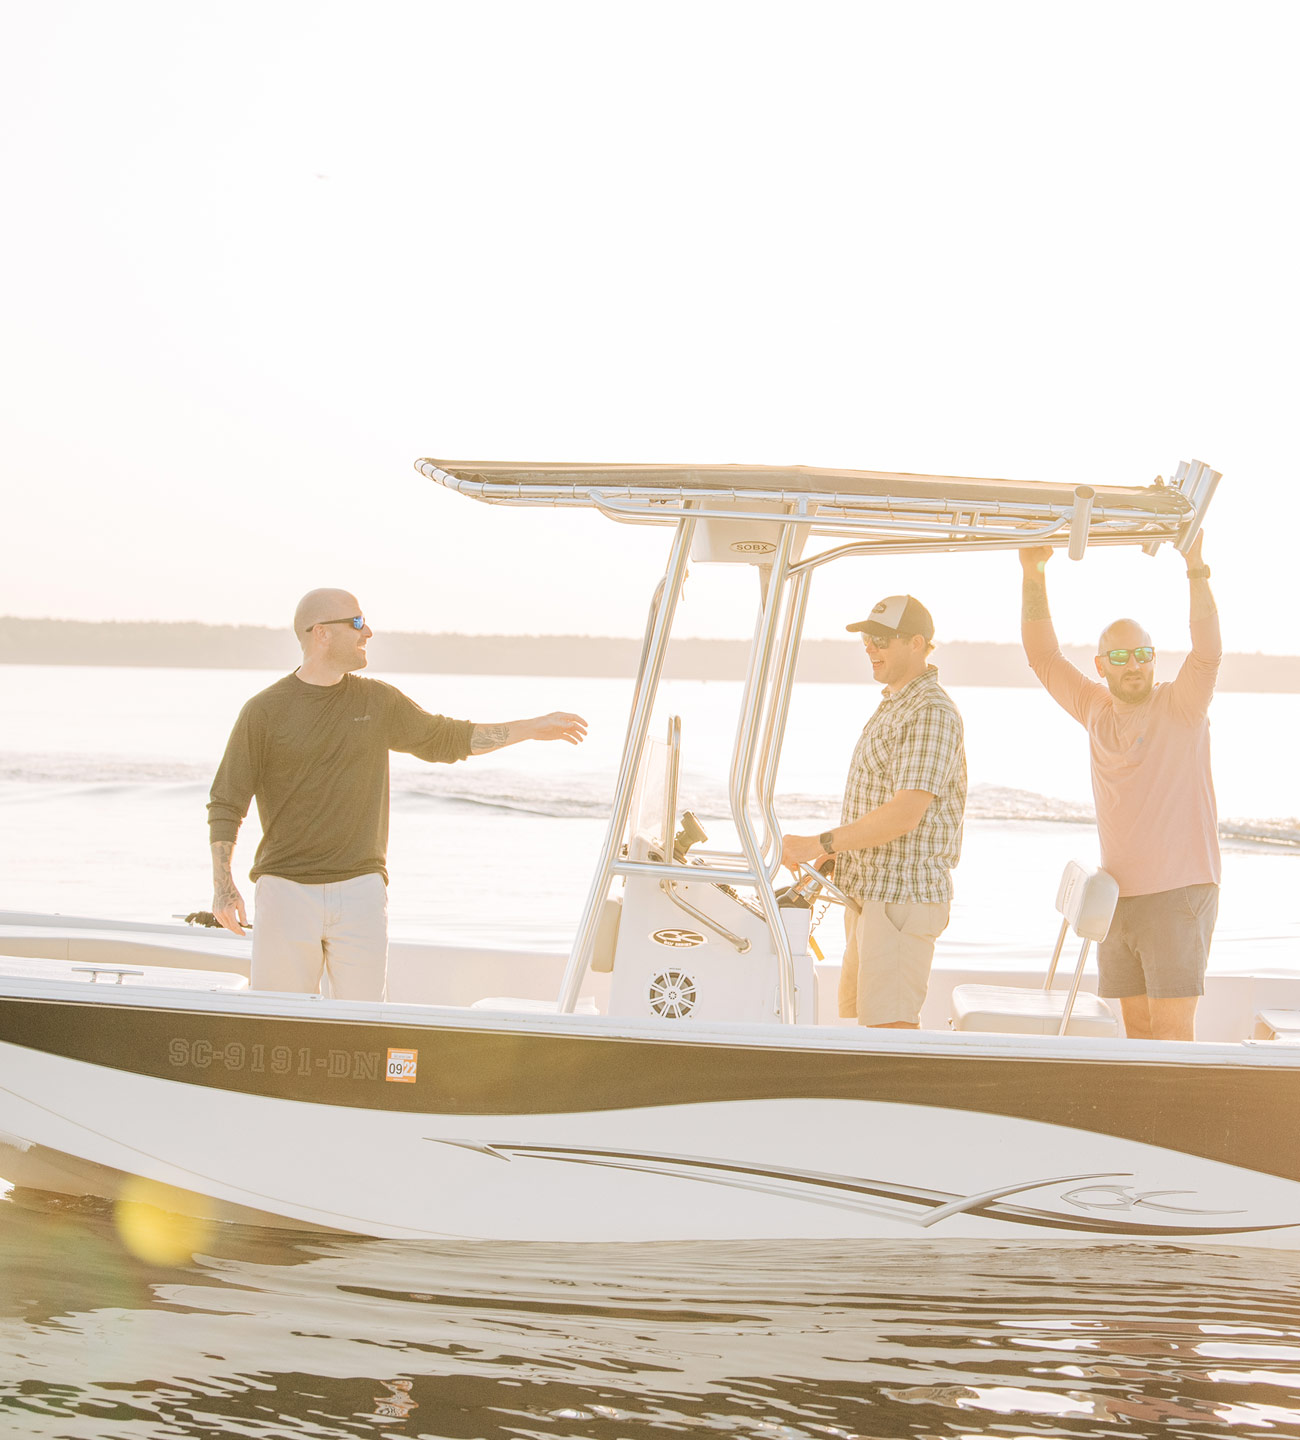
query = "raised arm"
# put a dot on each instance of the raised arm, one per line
(559, 725)
(1069, 687)
(1193, 686)
(1204, 613)
(1033, 601)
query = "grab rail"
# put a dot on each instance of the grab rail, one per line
(737, 942)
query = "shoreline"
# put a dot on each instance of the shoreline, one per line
(164, 644)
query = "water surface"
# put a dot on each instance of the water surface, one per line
(272, 1333)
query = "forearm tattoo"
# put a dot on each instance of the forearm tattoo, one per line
(488, 737)
(223, 882)
(1034, 599)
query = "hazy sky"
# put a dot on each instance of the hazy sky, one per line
(258, 258)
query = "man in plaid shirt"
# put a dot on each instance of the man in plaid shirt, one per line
(900, 830)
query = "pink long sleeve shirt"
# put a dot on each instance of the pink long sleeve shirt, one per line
(1156, 815)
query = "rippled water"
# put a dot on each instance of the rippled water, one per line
(270, 1333)
(107, 818)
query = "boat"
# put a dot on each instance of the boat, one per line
(681, 1074)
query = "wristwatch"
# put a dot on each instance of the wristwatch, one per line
(1201, 572)
(827, 842)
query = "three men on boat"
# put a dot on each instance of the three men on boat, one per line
(312, 749)
(1156, 815)
(900, 829)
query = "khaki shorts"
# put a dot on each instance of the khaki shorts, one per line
(302, 933)
(887, 955)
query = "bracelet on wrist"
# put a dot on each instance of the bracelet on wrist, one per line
(1199, 572)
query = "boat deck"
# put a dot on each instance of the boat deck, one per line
(180, 957)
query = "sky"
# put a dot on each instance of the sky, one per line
(259, 258)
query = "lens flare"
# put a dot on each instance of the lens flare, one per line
(151, 1226)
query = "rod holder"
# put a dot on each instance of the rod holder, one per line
(1080, 519)
(1200, 491)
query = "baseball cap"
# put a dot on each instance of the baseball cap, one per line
(897, 615)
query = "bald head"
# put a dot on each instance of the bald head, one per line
(1132, 681)
(1122, 632)
(317, 606)
(331, 645)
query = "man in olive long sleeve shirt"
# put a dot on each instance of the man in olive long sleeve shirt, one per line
(312, 749)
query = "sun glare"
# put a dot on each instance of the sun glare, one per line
(151, 1226)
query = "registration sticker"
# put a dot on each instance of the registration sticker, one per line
(401, 1066)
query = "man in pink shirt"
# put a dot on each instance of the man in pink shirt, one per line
(1156, 816)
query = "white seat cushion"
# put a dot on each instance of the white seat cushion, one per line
(1011, 1011)
(1277, 1025)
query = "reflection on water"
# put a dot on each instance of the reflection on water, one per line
(269, 1333)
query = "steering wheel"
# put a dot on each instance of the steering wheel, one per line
(833, 891)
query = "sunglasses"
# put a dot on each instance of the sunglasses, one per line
(1143, 654)
(358, 622)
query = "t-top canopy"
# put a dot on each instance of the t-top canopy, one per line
(541, 483)
(875, 509)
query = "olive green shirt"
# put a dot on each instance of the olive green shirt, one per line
(316, 759)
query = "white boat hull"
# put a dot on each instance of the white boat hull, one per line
(564, 1128)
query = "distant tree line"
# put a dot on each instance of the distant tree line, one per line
(254, 647)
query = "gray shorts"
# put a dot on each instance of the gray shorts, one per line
(1158, 945)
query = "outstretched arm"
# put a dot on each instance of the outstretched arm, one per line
(227, 902)
(559, 725)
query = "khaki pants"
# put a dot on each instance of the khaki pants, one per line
(304, 932)
(887, 953)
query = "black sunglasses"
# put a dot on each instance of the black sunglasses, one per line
(1143, 654)
(358, 622)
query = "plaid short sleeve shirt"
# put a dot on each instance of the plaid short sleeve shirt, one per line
(914, 741)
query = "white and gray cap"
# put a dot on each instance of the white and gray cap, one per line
(896, 615)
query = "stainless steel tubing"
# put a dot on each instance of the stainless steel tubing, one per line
(1080, 520)
(669, 870)
(1204, 483)
(657, 629)
(1009, 538)
(737, 942)
(652, 615)
(774, 734)
(742, 766)
(1074, 988)
(766, 723)
(1056, 954)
